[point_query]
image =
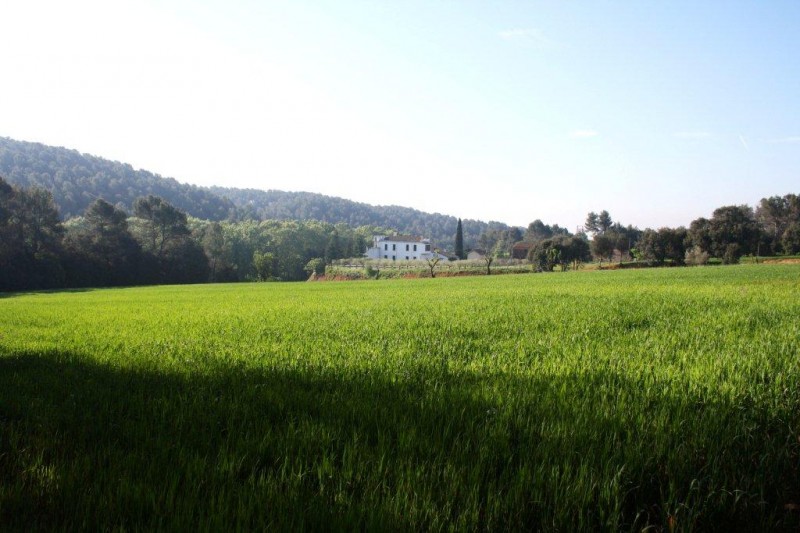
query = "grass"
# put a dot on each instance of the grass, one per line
(612, 400)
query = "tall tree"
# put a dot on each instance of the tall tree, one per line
(216, 249)
(333, 248)
(699, 235)
(602, 247)
(30, 239)
(592, 224)
(459, 248)
(604, 221)
(163, 223)
(775, 215)
(538, 230)
(164, 233)
(734, 232)
(790, 241)
(103, 251)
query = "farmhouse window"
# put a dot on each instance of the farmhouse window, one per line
(385, 246)
(394, 247)
(415, 247)
(406, 247)
(427, 247)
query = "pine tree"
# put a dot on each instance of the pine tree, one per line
(459, 241)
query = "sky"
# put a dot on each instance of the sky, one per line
(658, 112)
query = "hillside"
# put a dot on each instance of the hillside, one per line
(282, 205)
(76, 179)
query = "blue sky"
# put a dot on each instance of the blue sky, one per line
(658, 112)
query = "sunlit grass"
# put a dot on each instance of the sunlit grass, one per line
(588, 400)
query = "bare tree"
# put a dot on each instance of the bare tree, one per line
(433, 261)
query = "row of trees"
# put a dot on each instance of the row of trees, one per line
(773, 228)
(157, 244)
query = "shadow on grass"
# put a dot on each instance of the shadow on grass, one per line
(91, 446)
(4, 295)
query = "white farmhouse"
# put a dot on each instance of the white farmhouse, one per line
(402, 248)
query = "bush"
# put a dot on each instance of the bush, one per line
(695, 256)
(732, 254)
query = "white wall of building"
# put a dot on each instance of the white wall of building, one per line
(387, 249)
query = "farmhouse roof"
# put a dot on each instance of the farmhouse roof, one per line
(403, 238)
(523, 245)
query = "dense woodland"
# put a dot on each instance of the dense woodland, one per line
(129, 239)
(156, 243)
(76, 180)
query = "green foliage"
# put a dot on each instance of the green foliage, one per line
(776, 215)
(731, 232)
(283, 205)
(264, 265)
(628, 400)
(790, 241)
(498, 242)
(163, 233)
(102, 250)
(666, 244)
(562, 251)
(538, 230)
(459, 244)
(30, 239)
(315, 266)
(76, 179)
(731, 254)
(217, 249)
(604, 221)
(602, 247)
(592, 223)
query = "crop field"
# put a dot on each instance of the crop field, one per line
(616, 400)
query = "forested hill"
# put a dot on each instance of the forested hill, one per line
(76, 180)
(281, 205)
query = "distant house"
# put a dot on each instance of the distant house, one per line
(520, 250)
(402, 248)
(476, 254)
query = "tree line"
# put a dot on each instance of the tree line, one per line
(158, 243)
(733, 231)
(772, 228)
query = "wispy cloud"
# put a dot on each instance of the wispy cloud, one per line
(692, 134)
(584, 134)
(744, 143)
(526, 35)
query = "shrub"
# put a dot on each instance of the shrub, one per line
(696, 256)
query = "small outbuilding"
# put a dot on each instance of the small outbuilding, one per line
(476, 254)
(521, 249)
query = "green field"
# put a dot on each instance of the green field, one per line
(570, 401)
